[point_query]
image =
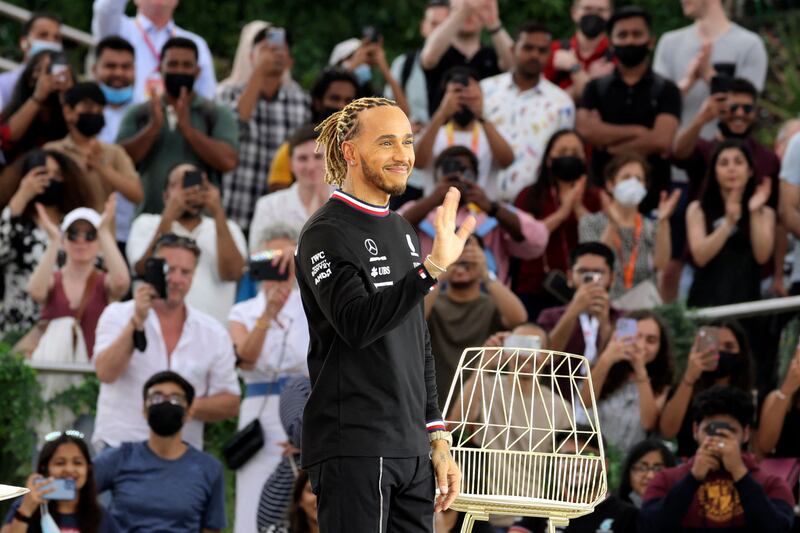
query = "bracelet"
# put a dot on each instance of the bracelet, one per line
(781, 396)
(436, 267)
(263, 323)
(21, 517)
(492, 31)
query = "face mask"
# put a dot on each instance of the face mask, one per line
(47, 523)
(592, 25)
(117, 96)
(173, 83)
(632, 55)
(629, 192)
(37, 46)
(165, 419)
(90, 124)
(728, 134)
(568, 168)
(728, 365)
(363, 74)
(636, 500)
(52, 195)
(464, 117)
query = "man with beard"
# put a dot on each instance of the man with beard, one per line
(374, 442)
(164, 483)
(506, 232)
(633, 109)
(586, 55)
(178, 127)
(195, 211)
(526, 108)
(459, 122)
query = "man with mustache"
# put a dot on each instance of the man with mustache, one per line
(526, 108)
(374, 441)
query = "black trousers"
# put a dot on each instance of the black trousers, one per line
(374, 494)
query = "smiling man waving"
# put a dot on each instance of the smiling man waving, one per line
(375, 444)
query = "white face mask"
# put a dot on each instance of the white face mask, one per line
(630, 192)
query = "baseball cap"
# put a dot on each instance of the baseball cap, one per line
(343, 50)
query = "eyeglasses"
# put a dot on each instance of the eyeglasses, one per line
(157, 398)
(641, 468)
(747, 108)
(55, 435)
(177, 241)
(89, 235)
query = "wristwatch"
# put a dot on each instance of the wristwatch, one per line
(441, 435)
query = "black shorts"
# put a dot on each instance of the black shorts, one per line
(374, 494)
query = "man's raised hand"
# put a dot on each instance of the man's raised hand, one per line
(449, 243)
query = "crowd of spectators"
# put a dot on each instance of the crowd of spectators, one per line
(610, 171)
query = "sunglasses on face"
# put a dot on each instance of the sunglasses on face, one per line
(88, 236)
(747, 108)
(157, 398)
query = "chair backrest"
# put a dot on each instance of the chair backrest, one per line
(520, 432)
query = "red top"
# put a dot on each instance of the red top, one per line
(563, 79)
(564, 238)
(57, 306)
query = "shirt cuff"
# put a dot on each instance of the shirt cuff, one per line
(436, 425)
(426, 281)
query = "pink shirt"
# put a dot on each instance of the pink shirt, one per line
(495, 238)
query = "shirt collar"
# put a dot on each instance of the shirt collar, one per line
(646, 77)
(536, 89)
(360, 205)
(148, 26)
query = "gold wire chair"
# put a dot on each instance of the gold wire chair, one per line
(511, 411)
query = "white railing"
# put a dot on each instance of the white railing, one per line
(771, 306)
(61, 368)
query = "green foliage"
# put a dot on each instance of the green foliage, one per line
(80, 399)
(682, 332)
(781, 99)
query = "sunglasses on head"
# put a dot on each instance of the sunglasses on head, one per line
(50, 437)
(748, 108)
(88, 236)
(171, 239)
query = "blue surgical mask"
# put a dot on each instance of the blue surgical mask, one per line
(37, 45)
(362, 73)
(123, 95)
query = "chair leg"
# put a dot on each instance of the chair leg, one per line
(469, 521)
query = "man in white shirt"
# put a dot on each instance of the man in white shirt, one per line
(526, 108)
(148, 31)
(137, 338)
(115, 73)
(42, 31)
(220, 240)
(292, 207)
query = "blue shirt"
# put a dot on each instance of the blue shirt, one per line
(157, 495)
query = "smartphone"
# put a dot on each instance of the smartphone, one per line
(371, 34)
(64, 489)
(626, 328)
(460, 78)
(58, 65)
(531, 342)
(725, 69)
(712, 429)
(708, 339)
(276, 36)
(721, 83)
(452, 166)
(262, 269)
(36, 160)
(155, 273)
(192, 178)
(591, 277)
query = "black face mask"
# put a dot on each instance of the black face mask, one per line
(165, 419)
(464, 117)
(173, 83)
(90, 124)
(728, 365)
(728, 134)
(592, 25)
(632, 55)
(52, 195)
(567, 168)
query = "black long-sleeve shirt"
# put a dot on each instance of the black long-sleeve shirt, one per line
(372, 371)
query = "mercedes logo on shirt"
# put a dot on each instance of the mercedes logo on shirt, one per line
(371, 247)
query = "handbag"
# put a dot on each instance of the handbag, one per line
(643, 295)
(246, 442)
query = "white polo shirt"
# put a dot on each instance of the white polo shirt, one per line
(203, 356)
(209, 293)
(279, 207)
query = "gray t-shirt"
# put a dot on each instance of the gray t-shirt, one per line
(790, 173)
(677, 48)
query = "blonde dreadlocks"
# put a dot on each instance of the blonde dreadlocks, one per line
(339, 127)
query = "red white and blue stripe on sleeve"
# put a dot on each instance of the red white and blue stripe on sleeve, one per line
(436, 425)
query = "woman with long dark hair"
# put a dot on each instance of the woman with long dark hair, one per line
(729, 364)
(559, 198)
(644, 461)
(64, 456)
(45, 181)
(631, 379)
(730, 225)
(34, 111)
